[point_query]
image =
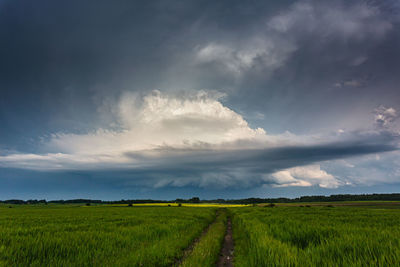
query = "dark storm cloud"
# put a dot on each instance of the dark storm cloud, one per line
(246, 167)
(175, 168)
(327, 43)
(61, 61)
(300, 66)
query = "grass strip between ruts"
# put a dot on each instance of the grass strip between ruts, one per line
(206, 251)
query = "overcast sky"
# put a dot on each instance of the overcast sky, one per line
(216, 99)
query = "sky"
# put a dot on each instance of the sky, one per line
(175, 99)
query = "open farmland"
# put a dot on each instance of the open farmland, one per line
(193, 235)
(98, 236)
(317, 236)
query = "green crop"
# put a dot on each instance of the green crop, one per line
(57, 235)
(316, 236)
(104, 235)
(206, 251)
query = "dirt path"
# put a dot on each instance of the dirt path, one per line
(226, 255)
(190, 248)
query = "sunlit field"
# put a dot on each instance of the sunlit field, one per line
(58, 235)
(317, 236)
(193, 234)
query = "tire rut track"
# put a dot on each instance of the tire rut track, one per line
(188, 250)
(226, 255)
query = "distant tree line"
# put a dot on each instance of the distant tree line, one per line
(331, 198)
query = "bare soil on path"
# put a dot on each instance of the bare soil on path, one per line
(226, 255)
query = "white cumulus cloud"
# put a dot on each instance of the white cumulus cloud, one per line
(305, 176)
(163, 120)
(195, 140)
(198, 121)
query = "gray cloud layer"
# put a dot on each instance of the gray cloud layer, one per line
(252, 167)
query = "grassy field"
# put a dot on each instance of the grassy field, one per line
(203, 205)
(61, 235)
(317, 236)
(206, 251)
(322, 234)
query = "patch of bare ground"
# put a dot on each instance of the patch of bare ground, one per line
(226, 255)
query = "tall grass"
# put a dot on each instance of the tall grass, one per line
(316, 236)
(98, 236)
(206, 251)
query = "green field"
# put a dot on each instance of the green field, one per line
(76, 235)
(98, 236)
(317, 236)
